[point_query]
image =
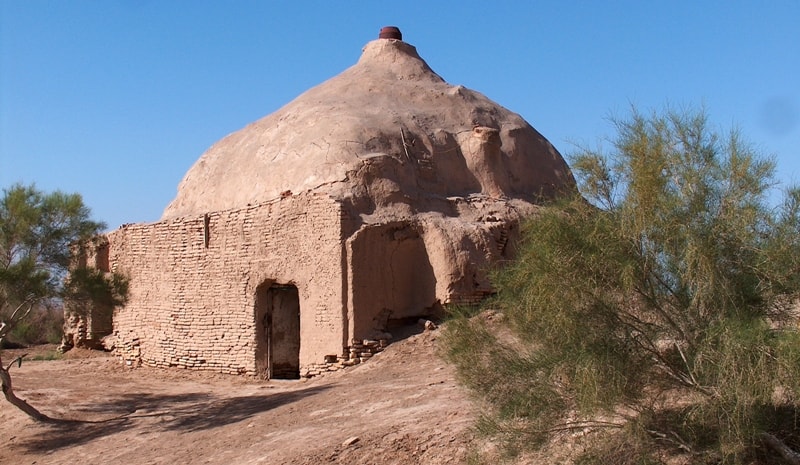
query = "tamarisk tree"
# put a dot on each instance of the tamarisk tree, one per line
(36, 230)
(657, 311)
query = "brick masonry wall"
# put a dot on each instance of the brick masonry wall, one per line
(193, 283)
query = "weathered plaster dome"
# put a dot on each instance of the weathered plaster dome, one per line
(373, 199)
(388, 131)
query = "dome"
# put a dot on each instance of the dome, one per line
(386, 131)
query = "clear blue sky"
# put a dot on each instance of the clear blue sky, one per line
(117, 99)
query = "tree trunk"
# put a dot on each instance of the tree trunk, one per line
(8, 391)
(787, 454)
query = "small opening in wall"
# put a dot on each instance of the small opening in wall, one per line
(206, 229)
(101, 261)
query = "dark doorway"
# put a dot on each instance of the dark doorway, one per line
(277, 312)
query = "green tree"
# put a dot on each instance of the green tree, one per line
(36, 230)
(657, 310)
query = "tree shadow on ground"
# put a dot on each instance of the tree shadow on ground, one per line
(185, 413)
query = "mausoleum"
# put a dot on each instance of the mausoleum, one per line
(296, 243)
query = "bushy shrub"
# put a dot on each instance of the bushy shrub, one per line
(44, 325)
(656, 311)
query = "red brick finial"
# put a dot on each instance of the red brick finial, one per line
(390, 32)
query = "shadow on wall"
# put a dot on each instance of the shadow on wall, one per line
(392, 277)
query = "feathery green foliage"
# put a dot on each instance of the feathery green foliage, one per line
(36, 231)
(655, 310)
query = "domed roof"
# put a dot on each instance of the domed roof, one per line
(388, 128)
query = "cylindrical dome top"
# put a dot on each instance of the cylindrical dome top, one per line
(390, 32)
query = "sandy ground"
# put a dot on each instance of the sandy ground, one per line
(402, 407)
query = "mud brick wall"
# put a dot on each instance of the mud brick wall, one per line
(358, 352)
(193, 283)
(87, 323)
(390, 276)
(405, 269)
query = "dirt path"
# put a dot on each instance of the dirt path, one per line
(402, 407)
